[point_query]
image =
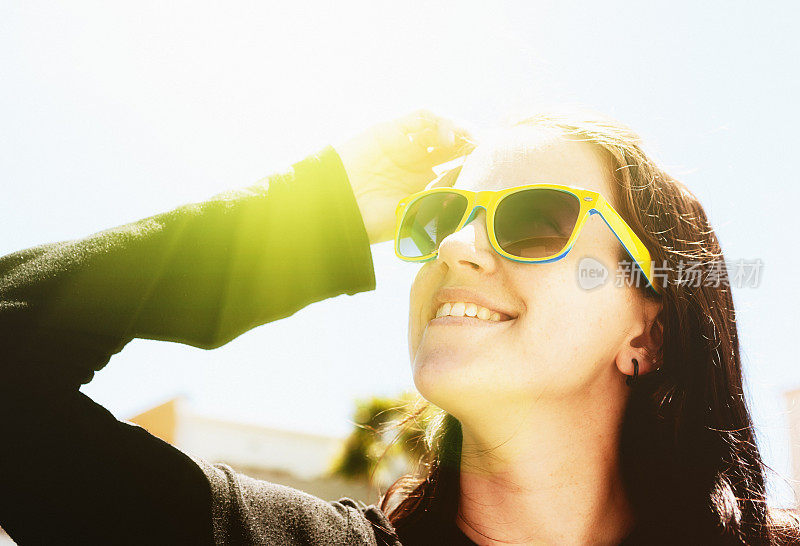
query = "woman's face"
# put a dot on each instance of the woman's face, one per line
(557, 339)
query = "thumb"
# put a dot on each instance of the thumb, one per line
(451, 141)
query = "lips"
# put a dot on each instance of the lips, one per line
(498, 311)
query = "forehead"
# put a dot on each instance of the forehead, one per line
(531, 156)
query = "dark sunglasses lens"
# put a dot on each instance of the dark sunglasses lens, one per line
(536, 223)
(427, 221)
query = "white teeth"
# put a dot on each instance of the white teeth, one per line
(468, 309)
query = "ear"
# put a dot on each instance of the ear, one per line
(644, 340)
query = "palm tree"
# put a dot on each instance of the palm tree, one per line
(379, 449)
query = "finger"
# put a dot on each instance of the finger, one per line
(422, 119)
(452, 140)
(440, 139)
(443, 154)
(462, 137)
(418, 120)
(446, 179)
(439, 131)
(446, 138)
(464, 140)
(427, 139)
(446, 133)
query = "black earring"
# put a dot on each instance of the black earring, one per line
(631, 378)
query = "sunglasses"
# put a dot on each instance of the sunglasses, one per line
(536, 223)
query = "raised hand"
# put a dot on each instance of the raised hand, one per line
(396, 158)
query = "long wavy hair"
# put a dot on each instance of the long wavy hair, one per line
(688, 452)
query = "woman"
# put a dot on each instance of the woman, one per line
(542, 440)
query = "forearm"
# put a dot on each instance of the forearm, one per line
(201, 274)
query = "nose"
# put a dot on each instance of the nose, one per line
(469, 247)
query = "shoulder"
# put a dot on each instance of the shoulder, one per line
(250, 511)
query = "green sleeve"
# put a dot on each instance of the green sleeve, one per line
(201, 274)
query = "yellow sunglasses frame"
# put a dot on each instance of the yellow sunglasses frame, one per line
(591, 202)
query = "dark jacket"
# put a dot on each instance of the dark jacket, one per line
(201, 274)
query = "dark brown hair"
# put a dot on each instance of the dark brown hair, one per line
(688, 452)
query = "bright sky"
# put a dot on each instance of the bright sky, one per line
(111, 113)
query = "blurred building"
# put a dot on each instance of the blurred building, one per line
(295, 459)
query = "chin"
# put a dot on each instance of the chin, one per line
(435, 372)
(444, 379)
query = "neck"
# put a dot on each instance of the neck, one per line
(550, 474)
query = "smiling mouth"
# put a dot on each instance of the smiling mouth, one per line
(467, 313)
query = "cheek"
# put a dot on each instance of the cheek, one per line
(419, 297)
(413, 328)
(569, 334)
(557, 318)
